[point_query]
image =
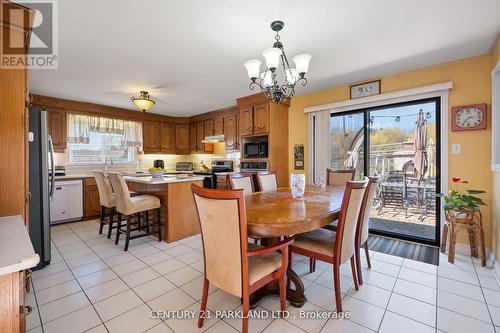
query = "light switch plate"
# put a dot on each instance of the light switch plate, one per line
(456, 148)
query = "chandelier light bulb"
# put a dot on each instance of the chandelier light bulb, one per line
(267, 78)
(253, 68)
(302, 62)
(272, 56)
(292, 75)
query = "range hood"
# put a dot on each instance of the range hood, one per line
(213, 138)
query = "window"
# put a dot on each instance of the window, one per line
(92, 139)
(495, 123)
(99, 147)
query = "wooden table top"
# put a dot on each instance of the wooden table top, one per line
(276, 213)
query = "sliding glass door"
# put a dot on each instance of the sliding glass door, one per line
(399, 143)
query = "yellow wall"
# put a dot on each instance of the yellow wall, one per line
(495, 221)
(471, 84)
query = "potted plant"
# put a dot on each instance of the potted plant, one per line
(459, 203)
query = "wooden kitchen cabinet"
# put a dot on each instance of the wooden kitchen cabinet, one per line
(231, 134)
(182, 139)
(261, 118)
(209, 127)
(151, 137)
(167, 142)
(218, 126)
(246, 120)
(57, 129)
(193, 142)
(200, 135)
(91, 203)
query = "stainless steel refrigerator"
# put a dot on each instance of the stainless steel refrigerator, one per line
(41, 183)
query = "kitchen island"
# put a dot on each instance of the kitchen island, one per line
(178, 211)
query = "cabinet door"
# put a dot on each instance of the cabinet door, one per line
(261, 118)
(92, 205)
(167, 138)
(200, 135)
(209, 127)
(230, 133)
(218, 126)
(57, 128)
(182, 139)
(192, 138)
(152, 137)
(246, 120)
(238, 137)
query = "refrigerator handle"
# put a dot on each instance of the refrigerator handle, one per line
(52, 168)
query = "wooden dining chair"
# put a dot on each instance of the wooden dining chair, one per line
(267, 180)
(339, 177)
(336, 247)
(129, 206)
(242, 181)
(229, 263)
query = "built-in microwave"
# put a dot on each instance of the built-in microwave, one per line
(255, 149)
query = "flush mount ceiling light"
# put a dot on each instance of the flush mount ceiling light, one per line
(267, 80)
(143, 102)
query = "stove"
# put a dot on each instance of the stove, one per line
(210, 180)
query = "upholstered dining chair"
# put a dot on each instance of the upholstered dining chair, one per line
(267, 180)
(231, 264)
(106, 199)
(129, 206)
(243, 181)
(339, 177)
(336, 247)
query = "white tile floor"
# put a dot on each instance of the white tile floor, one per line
(94, 286)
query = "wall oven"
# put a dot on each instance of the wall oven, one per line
(255, 149)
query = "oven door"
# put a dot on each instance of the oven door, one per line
(252, 149)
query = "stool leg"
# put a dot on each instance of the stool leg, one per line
(444, 238)
(139, 221)
(147, 221)
(127, 237)
(451, 250)
(111, 221)
(158, 220)
(101, 225)
(118, 226)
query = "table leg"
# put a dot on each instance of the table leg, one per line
(295, 296)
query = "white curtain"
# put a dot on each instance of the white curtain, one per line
(80, 126)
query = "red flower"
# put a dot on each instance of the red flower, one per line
(455, 179)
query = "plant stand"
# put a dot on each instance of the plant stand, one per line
(470, 220)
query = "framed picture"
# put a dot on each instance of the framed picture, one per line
(469, 117)
(365, 89)
(298, 157)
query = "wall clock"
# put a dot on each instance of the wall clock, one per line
(468, 117)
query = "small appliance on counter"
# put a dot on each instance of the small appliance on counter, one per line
(159, 164)
(210, 180)
(184, 166)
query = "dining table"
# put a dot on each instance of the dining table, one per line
(272, 215)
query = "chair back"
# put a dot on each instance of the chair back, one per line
(106, 195)
(242, 181)
(366, 207)
(122, 194)
(267, 180)
(222, 219)
(339, 177)
(348, 219)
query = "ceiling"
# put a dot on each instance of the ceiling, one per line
(189, 54)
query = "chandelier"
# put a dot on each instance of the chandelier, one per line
(143, 102)
(267, 81)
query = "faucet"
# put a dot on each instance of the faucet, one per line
(108, 159)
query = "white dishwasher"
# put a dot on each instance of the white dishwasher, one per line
(67, 202)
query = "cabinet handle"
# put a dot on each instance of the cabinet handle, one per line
(28, 309)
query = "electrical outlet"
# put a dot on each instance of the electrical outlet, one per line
(456, 148)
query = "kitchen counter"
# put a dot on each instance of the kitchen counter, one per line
(164, 180)
(74, 176)
(16, 250)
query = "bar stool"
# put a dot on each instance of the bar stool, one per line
(106, 199)
(129, 206)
